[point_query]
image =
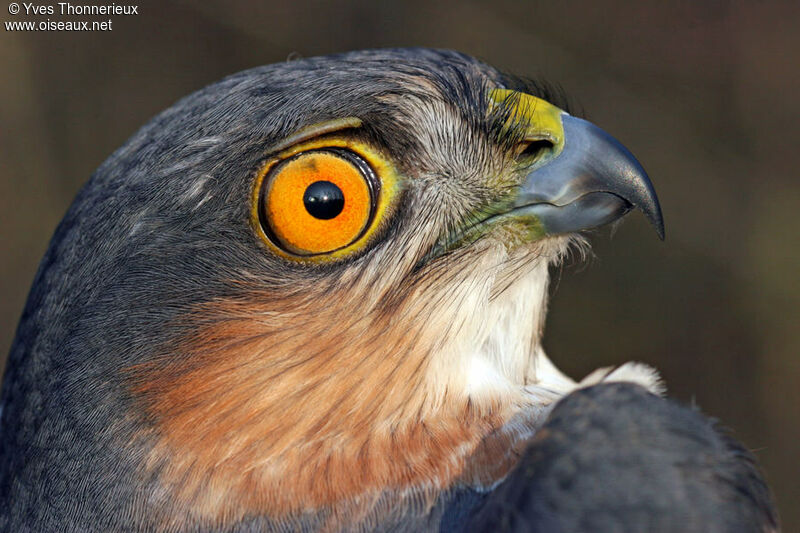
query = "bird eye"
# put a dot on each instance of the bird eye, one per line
(318, 201)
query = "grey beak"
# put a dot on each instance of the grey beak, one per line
(593, 181)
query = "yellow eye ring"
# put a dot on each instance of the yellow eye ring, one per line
(323, 200)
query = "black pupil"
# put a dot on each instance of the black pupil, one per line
(323, 200)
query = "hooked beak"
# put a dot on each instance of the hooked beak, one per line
(588, 179)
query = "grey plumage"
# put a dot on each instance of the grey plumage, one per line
(617, 458)
(135, 250)
(163, 228)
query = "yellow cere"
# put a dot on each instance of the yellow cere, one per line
(281, 185)
(543, 118)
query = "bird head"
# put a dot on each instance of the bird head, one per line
(320, 282)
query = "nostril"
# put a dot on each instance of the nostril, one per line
(533, 149)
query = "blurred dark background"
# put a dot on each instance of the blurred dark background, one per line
(704, 93)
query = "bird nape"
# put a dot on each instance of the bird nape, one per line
(311, 297)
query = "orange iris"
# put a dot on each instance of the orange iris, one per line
(295, 222)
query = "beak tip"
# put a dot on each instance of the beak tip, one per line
(656, 219)
(653, 213)
(641, 192)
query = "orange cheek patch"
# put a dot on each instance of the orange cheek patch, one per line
(290, 221)
(251, 418)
